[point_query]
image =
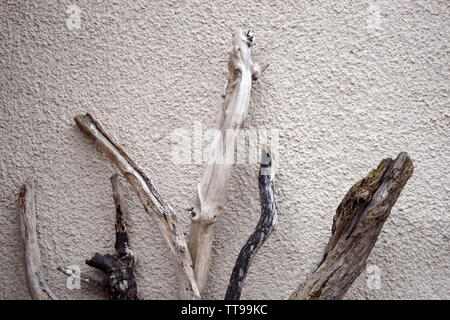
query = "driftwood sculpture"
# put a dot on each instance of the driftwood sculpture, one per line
(356, 225)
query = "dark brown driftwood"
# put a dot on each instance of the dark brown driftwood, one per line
(36, 283)
(264, 228)
(356, 226)
(154, 204)
(120, 283)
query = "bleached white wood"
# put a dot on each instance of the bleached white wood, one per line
(214, 181)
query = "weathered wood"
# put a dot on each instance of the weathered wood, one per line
(214, 181)
(122, 245)
(120, 279)
(120, 283)
(153, 202)
(356, 227)
(37, 286)
(264, 228)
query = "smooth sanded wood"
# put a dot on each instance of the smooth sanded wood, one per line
(37, 286)
(356, 227)
(153, 202)
(264, 228)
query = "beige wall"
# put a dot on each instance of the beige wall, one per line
(348, 84)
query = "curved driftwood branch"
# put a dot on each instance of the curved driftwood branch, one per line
(356, 226)
(153, 202)
(266, 225)
(36, 283)
(214, 182)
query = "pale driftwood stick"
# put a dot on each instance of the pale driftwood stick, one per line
(214, 182)
(36, 283)
(266, 225)
(120, 282)
(153, 202)
(356, 226)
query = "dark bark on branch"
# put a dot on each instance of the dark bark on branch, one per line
(120, 282)
(356, 227)
(264, 228)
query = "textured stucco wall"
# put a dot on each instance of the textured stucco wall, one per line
(349, 83)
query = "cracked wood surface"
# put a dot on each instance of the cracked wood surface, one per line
(356, 226)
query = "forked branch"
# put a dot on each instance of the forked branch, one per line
(37, 286)
(356, 226)
(266, 225)
(153, 202)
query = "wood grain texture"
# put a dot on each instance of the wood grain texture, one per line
(356, 226)
(153, 202)
(214, 181)
(37, 286)
(265, 226)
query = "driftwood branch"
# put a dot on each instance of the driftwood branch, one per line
(214, 181)
(120, 282)
(356, 226)
(266, 225)
(36, 283)
(153, 202)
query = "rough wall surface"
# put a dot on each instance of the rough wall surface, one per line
(349, 83)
